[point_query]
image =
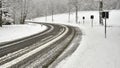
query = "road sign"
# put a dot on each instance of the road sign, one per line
(83, 17)
(92, 17)
(105, 14)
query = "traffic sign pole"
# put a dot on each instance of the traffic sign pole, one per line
(92, 23)
(92, 17)
(105, 15)
(83, 20)
(105, 27)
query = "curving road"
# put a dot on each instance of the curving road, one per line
(45, 47)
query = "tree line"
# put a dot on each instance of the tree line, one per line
(19, 10)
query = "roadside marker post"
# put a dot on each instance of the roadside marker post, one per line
(92, 17)
(83, 19)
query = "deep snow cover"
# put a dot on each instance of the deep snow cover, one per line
(13, 32)
(94, 51)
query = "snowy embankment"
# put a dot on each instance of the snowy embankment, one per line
(14, 32)
(94, 51)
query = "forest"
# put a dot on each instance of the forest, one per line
(19, 10)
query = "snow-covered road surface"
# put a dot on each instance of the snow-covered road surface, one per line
(46, 51)
(23, 57)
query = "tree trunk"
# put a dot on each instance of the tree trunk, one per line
(0, 13)
(100, 12)
(52, 15)
(76, 14)
(24, 12)
(69, 14)
(46, 16)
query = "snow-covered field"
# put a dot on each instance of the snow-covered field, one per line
(13, 32)
(94, 51)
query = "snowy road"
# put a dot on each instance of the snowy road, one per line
(46, 45)
(12, 46)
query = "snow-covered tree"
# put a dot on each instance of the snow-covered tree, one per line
(24, 10)
(75, 4)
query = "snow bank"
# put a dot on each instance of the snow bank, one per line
(94, 51)
(13, 32)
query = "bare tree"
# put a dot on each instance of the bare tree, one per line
(75, 4)
(24, 11)
(52, 9)
(39, 8)
(69, 10)
(100, 12)
(46, 11)
(0, 13)
(118, 4)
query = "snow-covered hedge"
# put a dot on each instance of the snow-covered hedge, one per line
(7, 21)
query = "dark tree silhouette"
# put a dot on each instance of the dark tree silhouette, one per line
(0, 13)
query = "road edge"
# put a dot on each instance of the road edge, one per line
(70, 49)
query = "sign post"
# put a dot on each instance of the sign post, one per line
(92, 17)
(83, 19)
(105, 15)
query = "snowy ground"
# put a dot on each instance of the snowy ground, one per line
(94, 51)
(13, 32)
